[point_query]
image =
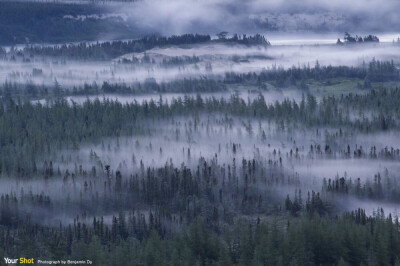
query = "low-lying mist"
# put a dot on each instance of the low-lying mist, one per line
(253, 153)
(195, 61)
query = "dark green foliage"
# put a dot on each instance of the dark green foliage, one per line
(348, 39)
(377, 71)
(109, 50)
(35, 129)
(257, 39)
(306, 241)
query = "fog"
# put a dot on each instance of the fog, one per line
(199, 126)
(221, 59)
(284, 15)
(219, 140)
(263, 156)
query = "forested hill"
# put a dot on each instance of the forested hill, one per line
(40, 22)
(109, 50)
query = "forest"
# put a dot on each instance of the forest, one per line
(224, 208)
(133, 134)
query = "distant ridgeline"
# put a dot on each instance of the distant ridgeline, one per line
(112, 49)
(357, 39)
(58, 22)
(109, 50)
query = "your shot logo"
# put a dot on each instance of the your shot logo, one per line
(18, 261)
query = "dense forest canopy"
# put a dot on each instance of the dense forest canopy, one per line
(222, 204)
(205, 200)
(199, 133)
